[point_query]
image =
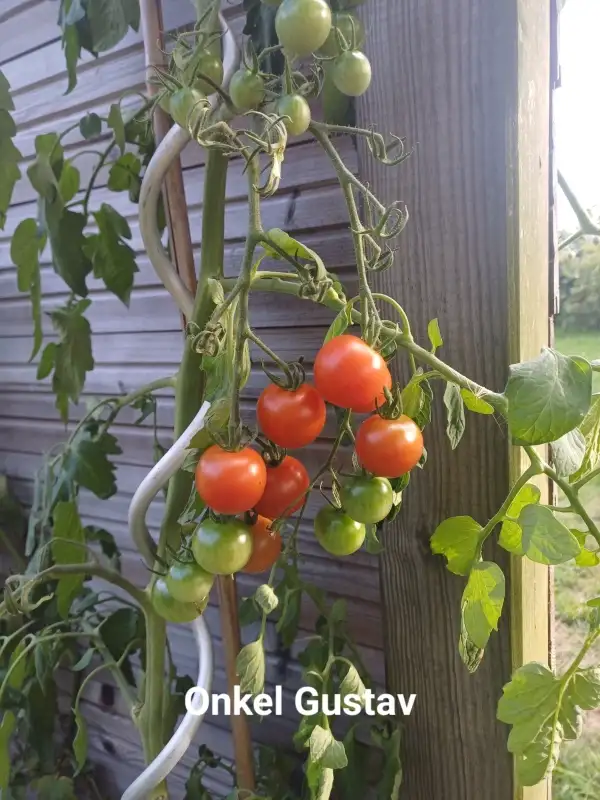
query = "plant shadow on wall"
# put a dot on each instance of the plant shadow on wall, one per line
(239, 500)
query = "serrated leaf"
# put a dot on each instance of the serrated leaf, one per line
(87, 463)
(68, 183)
(66, 533)
(388, 738)
(435, 336)
(107, 543)
(568, 453)
(474, 403)
(112, 258)
(115, 122)
(125, 173)
(482, 601)
(6, 101)
(9, 154)
(545, 540)
(68, 256)
(340, 324)
(543, 710)
(26, 246)
(590, 428)
(417, 398)
(80, 742)
(72, 51)
(547, 397)
(90, 126)
(250, 668)
(511, 536)
(193, 509)
(457, 539)
(47, 361)
(455, 414)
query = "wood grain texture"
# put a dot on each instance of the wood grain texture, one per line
(457, 75)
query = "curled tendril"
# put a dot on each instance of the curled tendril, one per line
(381, 261)
(294, 374)
(272, 141)
(207, 342)
(315, 290)
(17, 595)
(389, 153)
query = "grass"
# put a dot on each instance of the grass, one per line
(577, 777)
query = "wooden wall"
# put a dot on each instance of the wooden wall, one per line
(132, 347)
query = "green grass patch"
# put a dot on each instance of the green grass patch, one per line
(580, 343)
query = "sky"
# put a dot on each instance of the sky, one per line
(578, 106)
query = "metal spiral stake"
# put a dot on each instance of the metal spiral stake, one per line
(169, 150)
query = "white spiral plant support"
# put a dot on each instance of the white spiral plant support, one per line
(168, 150)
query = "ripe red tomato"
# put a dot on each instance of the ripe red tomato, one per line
(266, 547)
(350, 374)
(389, 448)
(230, 483)
(291, 419)
(287, 484)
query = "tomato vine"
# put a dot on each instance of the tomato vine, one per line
(240, 500)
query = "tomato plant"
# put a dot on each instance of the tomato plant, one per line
(222, 548)
(367, 500)
(266, 546)
(291, 418)
(287, 484)
(389, 448)
(547, 400)
(337, 533)
(350, 374)
(230, 482)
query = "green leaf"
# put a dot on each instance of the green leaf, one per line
(87, 463)
(325, 750)
(68, 183)
(26, 246)
(482, 601)
(586, 558)
(417, 397)
(67, 530)
(113, 260)
(455, 414)
(590, 428)
(568, 452)
(107, 543)
(266, 599)
(353, 780)
(109, 20)
(543, 710)
(387, 737)
(80, 742)
(474, 403)
(352, 683)
(340, 324)
(90, 126)
(84, 661)
(68, 256)
(6, 101)
(118, 631)
(547, 397)
(372, 543)
(52, 788)
(435, 336)
(8, 129)
(250, 668)
(471, 655)
(125, 173)
(9, 154)
(194, 507)
(545, 539)
(72, 50)
(457, 539)
(72, 358)
(115, 122)
(511, 536)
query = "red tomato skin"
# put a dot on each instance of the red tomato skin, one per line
(389, 448)
(266, 547)
(291, 419)
(350, 374)
(230, 483)
(284, 493)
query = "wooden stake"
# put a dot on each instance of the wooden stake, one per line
(183, 258)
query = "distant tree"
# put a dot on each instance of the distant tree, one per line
(580, 285)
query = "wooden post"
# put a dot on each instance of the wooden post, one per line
(468, 84)
(183, 259)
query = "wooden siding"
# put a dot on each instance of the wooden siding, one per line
(132, 347)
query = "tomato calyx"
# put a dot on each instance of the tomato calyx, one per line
(393, 407)
(294, 374)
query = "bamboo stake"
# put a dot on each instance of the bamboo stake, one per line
(183, 258)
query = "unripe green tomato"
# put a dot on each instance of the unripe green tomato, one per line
(208, 64)
(188, 582)
(185, 104)
(297, 113)
(367, 500)
(350, 27)
(170, 609)
(246, 89)
(302, 26)
(337, 533)
(352, 73)
(222, 548)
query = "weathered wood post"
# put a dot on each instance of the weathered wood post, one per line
(468, 83)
